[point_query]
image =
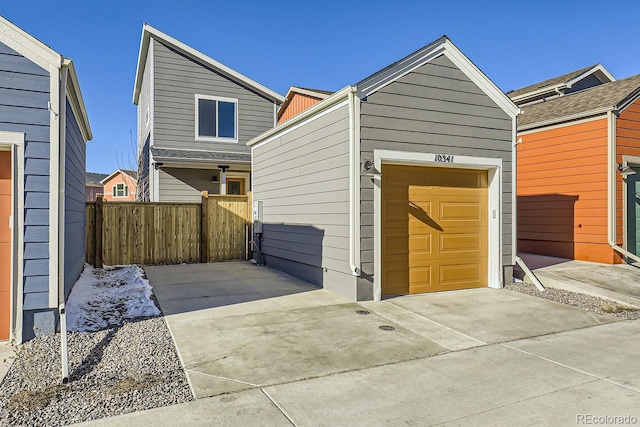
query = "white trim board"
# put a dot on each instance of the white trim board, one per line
(16, 142)
(494, 167)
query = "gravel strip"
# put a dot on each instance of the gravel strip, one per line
(122, 369)
(587, 302)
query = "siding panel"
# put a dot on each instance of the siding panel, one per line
(434, 109)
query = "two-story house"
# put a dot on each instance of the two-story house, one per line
(195, 116)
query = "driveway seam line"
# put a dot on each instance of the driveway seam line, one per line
(277, 406)
(222, 378)
(572, 368)
(439, 324)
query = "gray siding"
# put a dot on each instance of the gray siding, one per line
(303, 181)
(75, 205)
(145, 120)
(177, 79)
(24, 94)
(434, 109)
(183, 185)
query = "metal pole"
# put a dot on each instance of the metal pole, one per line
(63, 344)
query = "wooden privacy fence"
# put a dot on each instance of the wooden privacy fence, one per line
(217, 229)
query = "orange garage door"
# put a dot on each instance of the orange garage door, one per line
(5, 243)
(434, 229)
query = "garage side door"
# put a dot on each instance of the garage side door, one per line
(5, 243)
(434, 229)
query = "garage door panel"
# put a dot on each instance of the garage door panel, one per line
(446, 228)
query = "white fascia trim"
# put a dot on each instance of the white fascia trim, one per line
(318, 110)
(598, 68)
(442, 46)
(27, 45)
(295, 89)
(104, 181)
(76, 101)
(494, 168)
(569, 118)
(560, 125)
(514, 192)
(16, 141)
(547, 89)
(148, 31)
(54, 182)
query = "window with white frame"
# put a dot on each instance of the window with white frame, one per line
(216, 118)
(120, 190)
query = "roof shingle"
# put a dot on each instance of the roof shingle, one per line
(556, 81)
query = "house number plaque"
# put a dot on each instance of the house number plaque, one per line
(444, 158)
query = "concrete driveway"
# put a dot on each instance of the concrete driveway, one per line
(263, 348)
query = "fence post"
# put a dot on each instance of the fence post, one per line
(204, 228)
(99, 224)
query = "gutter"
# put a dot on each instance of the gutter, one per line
(611, 176)
(62, 121)
(354, 182)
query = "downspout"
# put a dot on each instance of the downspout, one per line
(354, 184)
(61, 219)
(612, 178)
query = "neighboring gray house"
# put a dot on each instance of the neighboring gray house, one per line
(195, 116)
(43, 131)
(401, 183)
(93, 185)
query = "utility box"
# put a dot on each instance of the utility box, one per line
(257, 216)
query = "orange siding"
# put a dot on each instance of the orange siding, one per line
(119, 179)
(562, 192)
(299, 103)
(627, 143)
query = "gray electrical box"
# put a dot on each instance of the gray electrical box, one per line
(257, 216)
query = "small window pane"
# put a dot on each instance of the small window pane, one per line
(206, 117)
(233, 187)
(226, 119)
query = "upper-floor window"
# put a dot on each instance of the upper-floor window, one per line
(120, 190)
(216, 118)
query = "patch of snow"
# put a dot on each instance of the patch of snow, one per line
(104, 297)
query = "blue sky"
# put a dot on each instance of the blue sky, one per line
(325, 45)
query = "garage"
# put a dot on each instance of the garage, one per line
(434, 229)
(5, 243)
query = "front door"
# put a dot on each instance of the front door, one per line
(5, 243)
(235, 186)
(633, 211)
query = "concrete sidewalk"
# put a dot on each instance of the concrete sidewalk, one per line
(618, 282)
(262, 348)
(549, 380)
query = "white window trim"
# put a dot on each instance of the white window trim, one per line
(494, 168)
(15, 141)
(197, 121)
(125, 190)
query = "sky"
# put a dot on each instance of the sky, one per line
(319, 44)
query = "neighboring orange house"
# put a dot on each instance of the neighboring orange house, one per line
(578, 167)
(120, 186)
(299, 99)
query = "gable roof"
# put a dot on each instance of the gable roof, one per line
(389, 74)
(441, 46)
(562, 82)
(315, 93)
(45, 57)
(131, 174)
(148, 32)
(613, 96)
(94, 178)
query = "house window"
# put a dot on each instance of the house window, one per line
(216, 119)
(120, 190)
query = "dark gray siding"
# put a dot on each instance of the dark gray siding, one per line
(177, 79)
(585, 83)
(302, 178)
(75, 205)
(24, 94)
(434, 109)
